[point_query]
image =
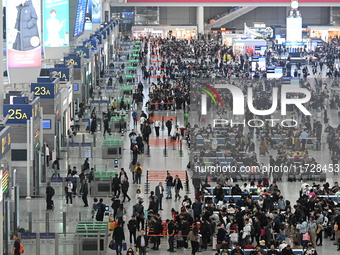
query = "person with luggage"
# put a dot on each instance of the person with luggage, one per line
(142, 242)
(49, 195)
(119, 238)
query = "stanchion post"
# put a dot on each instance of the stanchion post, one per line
(147, 183)
(64, 223)
(163, 123)
(98, 243)
(47, 222)
(30, 221)
(187, 182)
(173, 144)
(68, 149)
(165, 152)
(92, 151)
(181, 149)
(94, 140)
(80, 216)
(148, 151)
(79, 151)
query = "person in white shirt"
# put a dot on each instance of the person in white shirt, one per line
(68, 191)
(47, 154)
(157, 124)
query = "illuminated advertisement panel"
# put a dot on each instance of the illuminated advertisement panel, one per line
(23, 26)
(56, 23)
(80, 18)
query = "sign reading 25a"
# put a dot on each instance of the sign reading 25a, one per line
(18, 113)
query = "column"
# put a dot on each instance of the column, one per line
(200, 19)
(106, 10)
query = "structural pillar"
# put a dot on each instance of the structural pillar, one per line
(200, 19)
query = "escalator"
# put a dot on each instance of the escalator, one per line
(229, 17)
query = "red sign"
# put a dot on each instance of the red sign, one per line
(229, 1)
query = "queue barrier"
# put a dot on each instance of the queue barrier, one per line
(162, 118)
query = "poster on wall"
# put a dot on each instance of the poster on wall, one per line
(23, 26)
(56, 23)
(88, 16)
(96, 11)
(80, 18)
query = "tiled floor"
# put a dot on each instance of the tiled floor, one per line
(156, 161)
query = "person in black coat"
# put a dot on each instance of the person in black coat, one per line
(171, 233)
(125, 189)
(118, 237)
(93, 125)
(219, 192)
(49, 194)
(116, 185)
(157, 230)
(132, 226)
(146, 132)
(177, 186)
(84, 190)
(142, 242)
(27, 37)
(100, 210)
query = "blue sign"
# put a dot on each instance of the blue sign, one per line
(74, 60)
(44, 90)
(47, 235)
(80, 18)
(20, 113)
(28, 235)
(56, 179)
(63, 73)
(5, 139)
(85, 52)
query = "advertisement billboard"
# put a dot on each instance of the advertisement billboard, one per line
(96, 11)
(23, 29)
(88, 16)
(56, 23)
(79, 22)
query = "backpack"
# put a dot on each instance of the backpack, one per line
(139, 171)
(52, 191)
(252, 230)
(21, 249)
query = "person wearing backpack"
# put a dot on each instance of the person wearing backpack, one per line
(100, 210)
(18, 247)
(138, 173)
(49, 194)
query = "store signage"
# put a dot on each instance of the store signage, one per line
(56, 23)
(20, 113)
(44, 90)
(23, 29)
